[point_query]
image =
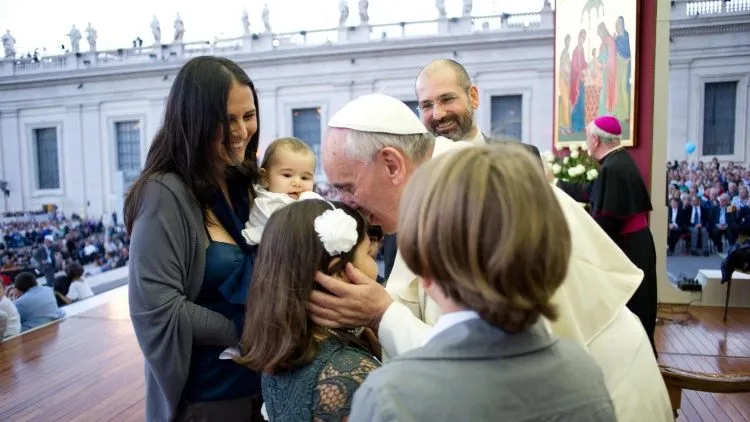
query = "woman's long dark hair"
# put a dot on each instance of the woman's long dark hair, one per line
(196, 112)
(278, 333)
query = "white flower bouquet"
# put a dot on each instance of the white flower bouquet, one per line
(572, 164)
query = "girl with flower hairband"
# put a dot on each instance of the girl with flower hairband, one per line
(309, 372)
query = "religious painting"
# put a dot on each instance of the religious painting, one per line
(595, 67)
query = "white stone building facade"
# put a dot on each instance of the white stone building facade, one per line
(75, 130)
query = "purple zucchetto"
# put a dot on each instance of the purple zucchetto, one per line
(608, 124)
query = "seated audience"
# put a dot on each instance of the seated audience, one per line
(493, 288)
(36, 304)
(79, 288)
(22, 242)
(741, 200)
(709, 181)
(675, 223)
(739, 221)
(719, 224)
(697, 225)
(11, 324)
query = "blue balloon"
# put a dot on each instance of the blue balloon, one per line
(690, 148)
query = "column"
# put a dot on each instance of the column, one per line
(271, 120)
(359, 34)
(342, 94)
(540, 135)
(443, 26)
(93, 139)
(679, 109)
(658, 132)
(153, 123)
(11, 169)
(73, 166)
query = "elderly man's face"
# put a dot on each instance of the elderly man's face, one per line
(365, 186)
(446, 108)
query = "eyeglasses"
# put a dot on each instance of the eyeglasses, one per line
(442, 101)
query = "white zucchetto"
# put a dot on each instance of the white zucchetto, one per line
(378, 113)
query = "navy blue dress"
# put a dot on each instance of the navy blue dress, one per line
(210, 378)
(226, 283)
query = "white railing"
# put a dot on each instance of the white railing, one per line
(544, 20)
(280, 41)
(691, 9)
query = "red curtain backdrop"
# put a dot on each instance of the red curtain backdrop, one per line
(646, 52)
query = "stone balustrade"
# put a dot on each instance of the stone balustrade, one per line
(687, 9)
(682, 10)
(267, 42)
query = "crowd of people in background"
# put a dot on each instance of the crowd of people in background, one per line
(707, 204)
(45, 259)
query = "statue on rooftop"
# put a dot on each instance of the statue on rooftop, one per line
(440, 4)
(91, 37)
(75, 39)
(467, 8)
(245, 23)
(364, 18)
(266, 19)
(9, 44)
(343, 12)
(156, 30)
(179, 29)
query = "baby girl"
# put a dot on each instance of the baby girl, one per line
(287, 174)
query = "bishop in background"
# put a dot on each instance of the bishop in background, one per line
(620, 203)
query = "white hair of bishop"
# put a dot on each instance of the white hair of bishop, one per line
(604, 136)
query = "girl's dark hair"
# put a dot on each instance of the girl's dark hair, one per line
(278, 333)
(196, 112)
(73, 270)
(375, 233)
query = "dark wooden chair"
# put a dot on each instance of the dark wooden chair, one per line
(680, 379)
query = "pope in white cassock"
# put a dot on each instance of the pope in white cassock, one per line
(371, 148)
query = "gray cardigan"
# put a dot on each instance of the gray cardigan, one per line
(167, 260)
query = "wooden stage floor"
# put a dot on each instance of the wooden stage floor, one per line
(697, 339)
(88, 367)
(85, 368)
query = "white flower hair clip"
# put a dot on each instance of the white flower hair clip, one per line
(337, 231)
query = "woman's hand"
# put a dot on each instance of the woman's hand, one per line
(360, 303)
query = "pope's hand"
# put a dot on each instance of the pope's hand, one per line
(358, 303)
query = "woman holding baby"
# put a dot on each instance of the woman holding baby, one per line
(189, 263)
(196, 215)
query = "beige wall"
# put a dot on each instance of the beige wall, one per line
(667, 292)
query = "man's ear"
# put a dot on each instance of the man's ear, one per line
(595, 141)
(395, 165)
(474, 97)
